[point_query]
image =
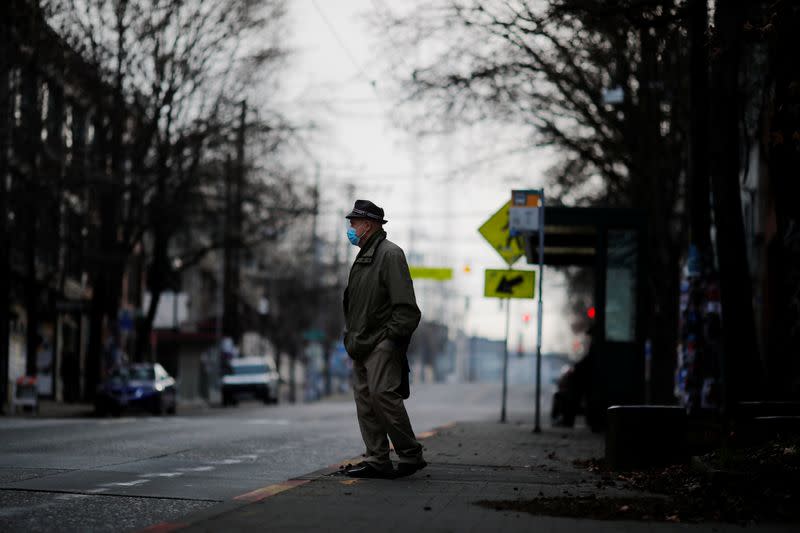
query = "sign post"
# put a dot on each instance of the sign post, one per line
(527, 217)
(508, 283)
(505, 364)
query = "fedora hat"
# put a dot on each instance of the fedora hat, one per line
(366, 209)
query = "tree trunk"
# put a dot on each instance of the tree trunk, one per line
(741, 365)
(782, 302)
(655, 175)
(664, 329)
(292, 380)
(98, 247)
(157, 277)
(156, 283)
(698, 190)
(95, 346)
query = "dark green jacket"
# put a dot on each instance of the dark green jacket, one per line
(379, 300)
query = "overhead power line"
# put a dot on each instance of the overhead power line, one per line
(343, 45)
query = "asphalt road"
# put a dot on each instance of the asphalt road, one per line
(127, 473)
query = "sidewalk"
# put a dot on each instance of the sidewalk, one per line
(482, 476)
(56, 409)
(52, 409)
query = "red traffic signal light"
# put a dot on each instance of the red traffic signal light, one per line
(590, 312)
(526, 317)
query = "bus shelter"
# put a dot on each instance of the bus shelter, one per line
(612, 242)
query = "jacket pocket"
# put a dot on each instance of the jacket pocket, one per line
(355, 349)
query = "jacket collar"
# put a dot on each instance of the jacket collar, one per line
(367, 253)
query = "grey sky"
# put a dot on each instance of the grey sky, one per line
(436, 193)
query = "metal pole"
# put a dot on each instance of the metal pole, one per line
(505, 363)
(537, 427)
(5, 136)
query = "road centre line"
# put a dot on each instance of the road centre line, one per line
(226, 462)
(126, 483)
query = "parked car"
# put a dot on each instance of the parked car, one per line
(569, 397)
(137, 386)
(249, 376)
(576, 395)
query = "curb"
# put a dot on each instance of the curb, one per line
(260, 494)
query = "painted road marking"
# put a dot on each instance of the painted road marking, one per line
(71, 496)
(196, 469)
(346, 462)
(117, 421)
(434, 431)
(99, 490)
(268, 421)
(226, 462)
(162, 474)
(126, 483)
(270, 490)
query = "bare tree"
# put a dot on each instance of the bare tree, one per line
(545, 66)
(176, 71)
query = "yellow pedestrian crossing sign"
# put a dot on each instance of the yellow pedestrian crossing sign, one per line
(496, 232)
(510, 283)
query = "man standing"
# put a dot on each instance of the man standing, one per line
(381, 314)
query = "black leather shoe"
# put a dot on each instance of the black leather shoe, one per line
(370, 472)
(406, 469)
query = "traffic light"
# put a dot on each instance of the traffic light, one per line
(590, 312)
(526, 318)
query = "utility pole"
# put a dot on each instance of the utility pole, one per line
(321, 290)
(31, 132)
(5, 271)
(229, 300)
(234, 182)
(742, 370)
(505, 364)
(315, 216)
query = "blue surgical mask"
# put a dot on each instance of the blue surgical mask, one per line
(352, 236)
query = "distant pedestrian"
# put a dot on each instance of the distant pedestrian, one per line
(381, 314)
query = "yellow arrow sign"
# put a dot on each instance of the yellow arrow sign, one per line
(495, 231)
(437, 274)
(510, 284)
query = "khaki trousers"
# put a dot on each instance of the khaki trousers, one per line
(380, 408)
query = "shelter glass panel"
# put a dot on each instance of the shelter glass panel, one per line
(621, 286)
